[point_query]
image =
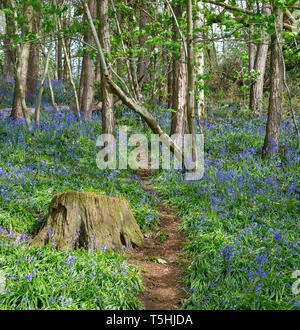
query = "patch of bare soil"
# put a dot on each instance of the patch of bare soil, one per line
(159, 258)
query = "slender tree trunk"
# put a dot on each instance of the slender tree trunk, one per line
(98, 71)
(51, 91)
(67, 59)
(86, 88)
(34, 67)
(251, 44)
(179, 89)
(39, 99)
(9, 56)
(191, 78)
(143, 60)
(66, 48)
(199, 68)
(170, 72)
(170, 85)
(59, 51)
(257, 87)
(108, 120)
(252, 51)
(271, 143)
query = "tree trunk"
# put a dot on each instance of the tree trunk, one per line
(66, 49)
(199, 68)
(67, 61)
(59, 53)
(33, 73)
(9, 54)
(21, 69)
(33, 70)
(39, 99)
(191, 78)
(251, 49)
(90, 221)
(8, 69)
(179, 90)
(51, 91)
(257, 87)
(16, 109)
(86, 88)
(170, 85)
(251, 44)
(271, 143)
(108, 120)
(143, 60)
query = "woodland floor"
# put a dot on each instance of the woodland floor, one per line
(160, 258)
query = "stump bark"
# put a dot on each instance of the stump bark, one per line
(89, 220)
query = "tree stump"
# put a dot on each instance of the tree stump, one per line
(89, 220)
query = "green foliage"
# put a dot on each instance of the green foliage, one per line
(241, 218)
(44, 279)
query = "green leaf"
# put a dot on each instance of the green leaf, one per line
(161, 261)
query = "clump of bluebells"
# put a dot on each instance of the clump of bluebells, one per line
(61, 156)
(57, 157)
(241, 218)
(45, 278)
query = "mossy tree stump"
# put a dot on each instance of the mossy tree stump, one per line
(89, 220)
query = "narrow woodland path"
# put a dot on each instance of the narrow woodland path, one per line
(162, 280)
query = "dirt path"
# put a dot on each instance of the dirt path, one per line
(162, 287)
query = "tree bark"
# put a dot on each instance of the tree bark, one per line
(143, 60)
(191, 78)
(251, 44)
(67, 60)
(257, 87)
(271, 142)
(89, 220)
(51, 91)
(39, 99)
(59, 54)
(179, 90)
(170, 85)
(108, 119)
(9, 56)
(66, 51)
(86, 88)
(21, 67)
(33, 73)
(199, 68)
